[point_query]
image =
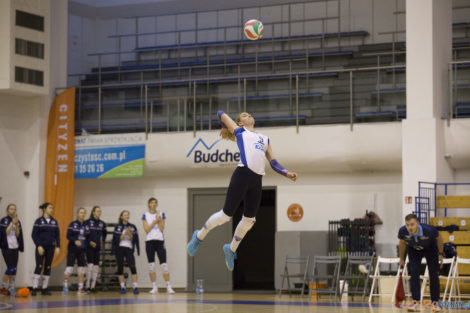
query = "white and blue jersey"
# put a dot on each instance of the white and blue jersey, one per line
(155, 233)
(252, 148)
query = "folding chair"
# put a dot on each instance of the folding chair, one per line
(332, 264)
(377, 275)
(354, 277)
(296, 268)
(448, 278)
(455, 287)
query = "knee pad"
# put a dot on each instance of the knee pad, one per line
(133, 270)
(165, 268)
(247, 223)
(243, 227)
(217, 219)
(81, 270)
(152, 267)
(68, 270)
(11, 271)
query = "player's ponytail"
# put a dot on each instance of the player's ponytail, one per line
(226, 134)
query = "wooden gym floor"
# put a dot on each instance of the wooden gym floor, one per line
(113, 302)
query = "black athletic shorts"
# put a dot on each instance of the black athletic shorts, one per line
(245, 185)
(153, 246)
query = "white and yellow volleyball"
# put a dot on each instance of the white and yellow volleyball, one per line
(253, 29)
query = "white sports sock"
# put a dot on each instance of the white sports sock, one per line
(36, 278)
(123, 285)
(243, 227)
(134, 285)
(89, 271)
(45, 281)
(66, 283)
(94, 277)
(154, 285)
(216, 219)
(80, 286)
(12, 282)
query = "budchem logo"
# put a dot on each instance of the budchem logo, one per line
(208, 155)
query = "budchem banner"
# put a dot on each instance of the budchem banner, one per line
(110, 156)
(59, 164)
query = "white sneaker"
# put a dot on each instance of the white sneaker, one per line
(364, 268)
(169, 290)
(153, 291)
(81, 292)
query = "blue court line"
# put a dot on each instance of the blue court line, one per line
(129, 301)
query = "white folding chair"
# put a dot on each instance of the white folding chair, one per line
(455, 278)
(377, 275)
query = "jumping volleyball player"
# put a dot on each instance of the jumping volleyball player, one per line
(245, 184)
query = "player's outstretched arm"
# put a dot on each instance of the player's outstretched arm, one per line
(278, 168)
(227, 121)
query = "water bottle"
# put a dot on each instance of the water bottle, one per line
(199, 286)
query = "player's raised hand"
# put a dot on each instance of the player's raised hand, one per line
(292, 176)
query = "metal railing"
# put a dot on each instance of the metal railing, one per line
(425, 202)
(199, 100)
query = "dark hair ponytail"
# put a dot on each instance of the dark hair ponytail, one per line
(44, 206)
(92, 214)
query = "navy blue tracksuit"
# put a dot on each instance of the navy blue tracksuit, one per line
(97, 234)
(76, 232)
(417, 247)
(47, 235)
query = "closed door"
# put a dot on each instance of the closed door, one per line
(209, 262)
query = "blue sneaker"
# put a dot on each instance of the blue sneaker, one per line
(123, 291)
(229, 257)
(193, 244)
(136, 291)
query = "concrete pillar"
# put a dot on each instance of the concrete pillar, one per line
(429, 49)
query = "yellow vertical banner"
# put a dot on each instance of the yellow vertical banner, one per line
(60, 164)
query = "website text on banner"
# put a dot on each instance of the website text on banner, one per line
(110, 156)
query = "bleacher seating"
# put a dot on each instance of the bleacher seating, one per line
(359, 33)
(270, 76)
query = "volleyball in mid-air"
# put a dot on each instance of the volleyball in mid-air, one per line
(253, 29)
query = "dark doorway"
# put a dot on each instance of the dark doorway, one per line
(254, 266)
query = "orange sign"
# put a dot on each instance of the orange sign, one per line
(295, 212)
(60, 164)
